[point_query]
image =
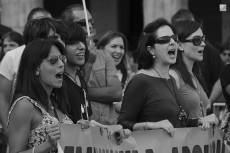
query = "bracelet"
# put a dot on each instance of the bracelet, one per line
(144, 126)
(33, 149)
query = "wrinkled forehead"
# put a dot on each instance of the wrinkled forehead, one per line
(79, 15)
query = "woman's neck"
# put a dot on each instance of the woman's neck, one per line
(71, 70)
(162, 70)
(189, 64)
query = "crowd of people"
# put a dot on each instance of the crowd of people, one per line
(61, 76)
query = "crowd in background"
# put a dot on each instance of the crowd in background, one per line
(55, 73)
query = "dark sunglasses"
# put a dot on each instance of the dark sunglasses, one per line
(166, 39)
(83, 22)
(197, 40)
(54, 59)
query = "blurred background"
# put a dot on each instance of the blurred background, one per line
(126, 16)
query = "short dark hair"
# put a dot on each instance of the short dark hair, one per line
(36, 10)
(40, 28)
(32, 56)
(147, 38)
(184, 28)
(182, 14)
(67, 14)
(109, 36)
(77, 34)
(14, 36)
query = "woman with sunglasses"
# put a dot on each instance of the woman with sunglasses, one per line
(116, 45)
(40, 102)
(152, 99)
(186, 70)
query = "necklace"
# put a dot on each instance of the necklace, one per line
(198, 93)
(51, 106)
(182, 113)
(74, 79)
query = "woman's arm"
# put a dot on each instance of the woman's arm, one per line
(21, 120)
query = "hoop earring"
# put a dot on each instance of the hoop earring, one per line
(37, 73)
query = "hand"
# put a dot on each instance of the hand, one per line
(93, 55)
(53, 133)
(205, 126)
(84, 124)
(166, 125)
(211, 119)
(102, 128)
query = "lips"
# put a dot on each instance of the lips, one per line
(172, 52)
(59, 76)
(81, 55)
(200, 51)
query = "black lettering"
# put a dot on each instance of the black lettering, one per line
(213, 148)
(89, 150)
(185, 149)
(148, 151)
(127, 151)
(206, 148)
(107, 151)
(103, 150)
(174, 150)
(95, 150)
(218, 146)
(111, 151)
(120, 151)
(69, 149)
(78, 150)
(223, 148)
(134, 151)
(197, 149)
(100, 150)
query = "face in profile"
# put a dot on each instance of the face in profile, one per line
(165, 47)
(51, 69)
(75, 53)
(225, 56)
(193, 50)
(116, 49)
(9, 44)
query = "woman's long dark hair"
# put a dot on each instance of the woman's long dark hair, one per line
(109, 36)
(184, 29)
(28, 83)
(77, 34)
(148, 38)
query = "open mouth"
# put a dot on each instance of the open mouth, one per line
(172, 52)
(59, 76)
(117, 57)
(200, 51)
(81, 55)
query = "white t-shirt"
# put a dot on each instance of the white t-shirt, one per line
(10, 63)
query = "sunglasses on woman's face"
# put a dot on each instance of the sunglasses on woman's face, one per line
(83, 22)
(54, 59)
(197, 40)
(166, 39)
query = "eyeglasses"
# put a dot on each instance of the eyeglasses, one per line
(197, 40)
(166, 39)
(83, 22)
(54, 59)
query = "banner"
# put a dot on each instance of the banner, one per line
(185, 140)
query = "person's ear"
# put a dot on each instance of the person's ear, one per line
(180, 47)
(152, 51)
(37, 72)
